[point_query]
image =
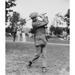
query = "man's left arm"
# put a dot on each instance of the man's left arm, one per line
(44, 21)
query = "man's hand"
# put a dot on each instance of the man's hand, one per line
(32, 31)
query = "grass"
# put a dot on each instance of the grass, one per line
(18, 54)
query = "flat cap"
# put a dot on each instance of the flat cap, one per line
(33, 15)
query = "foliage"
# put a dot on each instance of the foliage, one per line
(22, 21)
(8, 5)
(68, 14)
(52, 28)
(56, 30)
(15, 18)
(59, 20)
(67, 17)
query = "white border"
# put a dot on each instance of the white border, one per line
(72, 38)
(2, 37)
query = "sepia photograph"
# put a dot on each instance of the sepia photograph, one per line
(37, 37)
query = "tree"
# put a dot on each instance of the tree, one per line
(8, 5)
(67, 17)
(22, 21)
(15, 18)
(68, 14)
(52, 29)
(58, 31)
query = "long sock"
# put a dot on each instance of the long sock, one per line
(35, 59)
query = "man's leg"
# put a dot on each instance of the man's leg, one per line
(36, 57)
(44, 57)
(44, 60)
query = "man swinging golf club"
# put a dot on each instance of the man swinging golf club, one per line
(39, 31)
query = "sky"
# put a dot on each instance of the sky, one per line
(51, 7)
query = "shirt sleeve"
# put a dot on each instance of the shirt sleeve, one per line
(44, 22)
(39, 23)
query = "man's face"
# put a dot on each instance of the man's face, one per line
(34, 19)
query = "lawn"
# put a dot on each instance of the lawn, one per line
(19, 53)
